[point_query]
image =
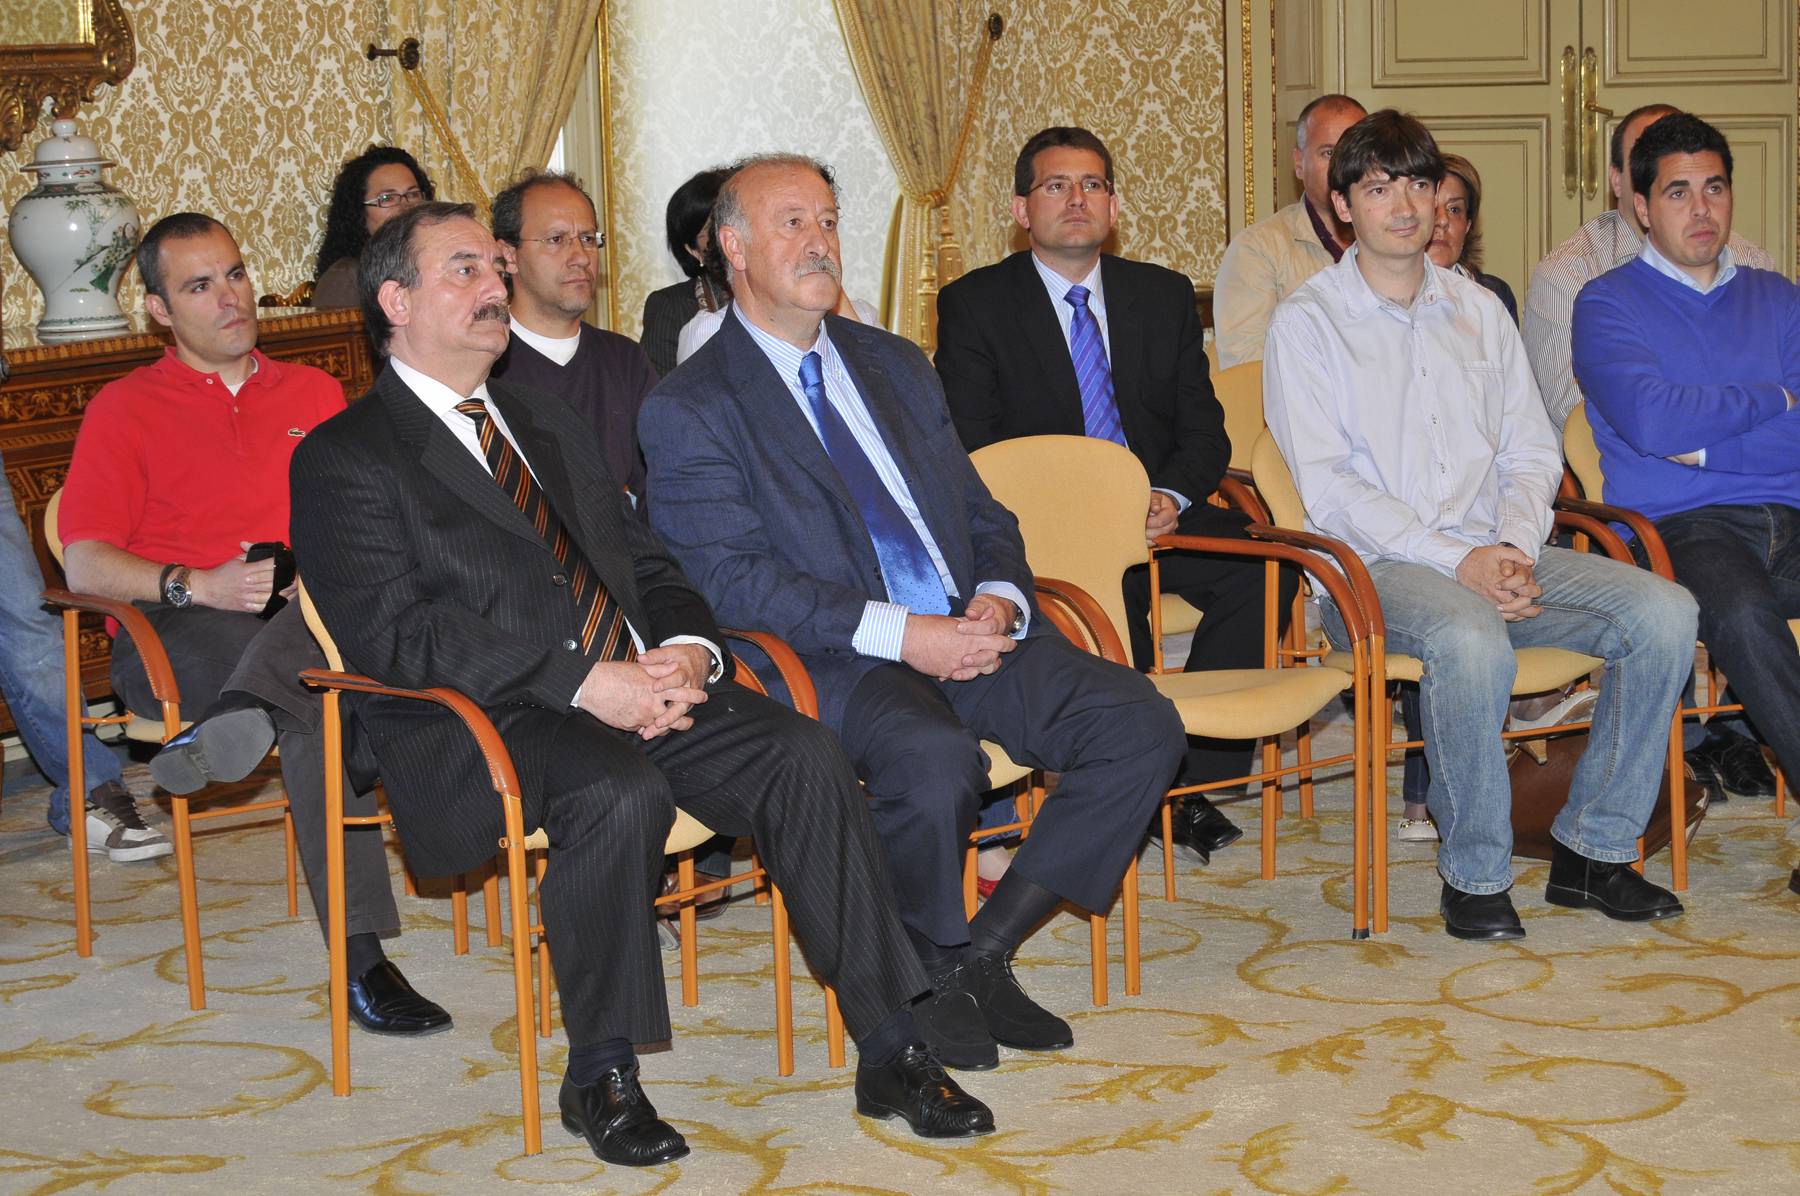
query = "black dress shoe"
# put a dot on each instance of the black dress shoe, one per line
(951, 1024)
(1479, 917)
(1198, 829)
(223, 747)
(1012, 1018)
(1613, 889)
(913, 1085)
(1794, 881)
(382, 1002)
(1744, 771)
(618, 1120)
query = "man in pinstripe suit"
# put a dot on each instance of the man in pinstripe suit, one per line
(547, 603)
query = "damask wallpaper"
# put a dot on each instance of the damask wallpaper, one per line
(696, 83)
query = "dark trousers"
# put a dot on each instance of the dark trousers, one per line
(914, 741)
(1229, 589)
(1742, 564)
(218, 651)
(748, 766)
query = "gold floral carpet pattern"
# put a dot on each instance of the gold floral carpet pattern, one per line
(1267, 1053)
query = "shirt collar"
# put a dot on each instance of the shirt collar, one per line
(264, 371)
(784, 357)
(1361, 300)
(1668, 269)
(1058, 286)
(1321, 231)
(547, 345)
(440, 399)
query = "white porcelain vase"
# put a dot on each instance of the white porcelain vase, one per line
(75, 235)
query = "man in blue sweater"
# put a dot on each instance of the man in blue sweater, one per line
(1690, 364)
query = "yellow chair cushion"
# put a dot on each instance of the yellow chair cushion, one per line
(1002, 769)
(1249, 703)
(687, 833)
(1794, 626)
(1540, 669)
(1178, 614)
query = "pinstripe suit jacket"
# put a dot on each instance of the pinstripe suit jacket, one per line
(428, 575)
(744, 495)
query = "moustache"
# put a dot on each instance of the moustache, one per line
(490, 311)
(819, 265)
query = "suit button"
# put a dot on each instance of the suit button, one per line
(559, 579)
(572, 645)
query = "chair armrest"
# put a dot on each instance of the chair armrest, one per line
(1238, 489)
(149, 645)
(1349, 584)
(1603, 535)
(1079, 616)
(1640, 526)
(787, 663)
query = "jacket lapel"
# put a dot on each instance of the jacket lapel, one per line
(1040, 333)
(876, 387)
(773, 409)
(1124, 337)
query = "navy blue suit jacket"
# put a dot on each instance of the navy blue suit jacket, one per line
(744, 495)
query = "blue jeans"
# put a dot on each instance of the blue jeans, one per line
(1642, 626)
(31, 669)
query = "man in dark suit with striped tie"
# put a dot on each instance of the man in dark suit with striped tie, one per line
(466, 533)
(804, 470)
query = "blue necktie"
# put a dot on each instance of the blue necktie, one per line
(1099, 414)
(912, 580)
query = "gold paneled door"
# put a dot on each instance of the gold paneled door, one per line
(1530, 91)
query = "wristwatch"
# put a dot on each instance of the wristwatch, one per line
(1018, 623)
(174, 585)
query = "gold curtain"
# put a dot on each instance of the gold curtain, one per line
(920, 65)
(505, 72)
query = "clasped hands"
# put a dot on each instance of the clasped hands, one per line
(960, 649)
(1503, 575)
(651, 695)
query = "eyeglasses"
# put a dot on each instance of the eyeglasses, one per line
(556, 242)
(1059, 187)
(396, 199)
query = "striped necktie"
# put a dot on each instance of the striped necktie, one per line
(602, 619)
(1099, 413)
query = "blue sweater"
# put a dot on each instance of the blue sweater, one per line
(1667, 370)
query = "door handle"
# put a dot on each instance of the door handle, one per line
(1593, 122)
(1572, 138)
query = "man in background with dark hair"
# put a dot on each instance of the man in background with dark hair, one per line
(1265, 262)
(1690, 362)
(1401, 399)
(179, 468)
(1061, 339)
(550, 232)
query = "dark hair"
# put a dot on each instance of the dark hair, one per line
(509, 205)
(1388, 141)
(346, 226)
(1676, 133)
(177, 227)
(1056, 137)
(390, 256)
(729, 208)
(1638, 113)
(1331, 99)
(1463, 169)
(689, 209)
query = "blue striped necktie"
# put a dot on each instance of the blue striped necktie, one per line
(1099, 413)
(912, 580)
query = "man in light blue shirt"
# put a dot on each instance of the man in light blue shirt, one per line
(1402, 401)
(807, 475)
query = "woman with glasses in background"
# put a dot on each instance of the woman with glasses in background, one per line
(371, 189)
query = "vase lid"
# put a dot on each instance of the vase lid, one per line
(65, 147)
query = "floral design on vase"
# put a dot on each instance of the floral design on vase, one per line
(75, 234)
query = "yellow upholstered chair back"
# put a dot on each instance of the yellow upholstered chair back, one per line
(51, 535)
(1080, 503)
(1239, 390)
(1276, 484)
(1582, 454)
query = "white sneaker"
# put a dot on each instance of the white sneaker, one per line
(115, 827)
(1417, 830)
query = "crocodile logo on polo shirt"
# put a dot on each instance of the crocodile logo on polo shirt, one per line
(296, 433)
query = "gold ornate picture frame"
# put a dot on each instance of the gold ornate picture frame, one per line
(67, 73)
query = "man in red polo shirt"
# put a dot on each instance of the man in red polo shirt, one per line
(180, 468)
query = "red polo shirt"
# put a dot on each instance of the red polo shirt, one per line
(170, 466)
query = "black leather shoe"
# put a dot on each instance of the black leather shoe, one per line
(951, 1024)
(1198, 829)
(382, 1002)
(1479, 917)
(1794, 882)
(225, 747)
(913, 1086)
(1012, 1018)
(618, 1120)
(1744, 771)
(1613, 889)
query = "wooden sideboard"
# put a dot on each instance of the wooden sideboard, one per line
(41, 404)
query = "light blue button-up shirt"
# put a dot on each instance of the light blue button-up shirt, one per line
(883, 627)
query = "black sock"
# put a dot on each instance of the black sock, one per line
(588, 1063)
(896, 1032)
(362, 952)
(1011, 914)
(934, 956)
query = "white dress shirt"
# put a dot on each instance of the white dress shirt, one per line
(441, 401)
(701, 327)
(1413, 434)
(882, 629)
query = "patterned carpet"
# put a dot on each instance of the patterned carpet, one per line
(1268, 1052)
